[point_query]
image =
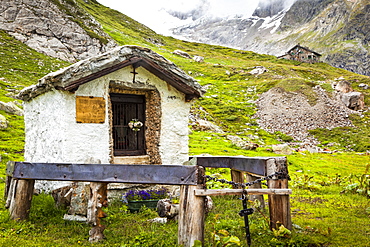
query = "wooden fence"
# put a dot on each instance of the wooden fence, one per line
(190, 176)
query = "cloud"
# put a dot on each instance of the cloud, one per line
(194, 11)
(223, 8)
(162, 15)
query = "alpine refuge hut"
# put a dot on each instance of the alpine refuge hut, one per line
(126, 106)
(302, 54)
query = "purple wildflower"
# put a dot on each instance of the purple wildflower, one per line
(137, 195)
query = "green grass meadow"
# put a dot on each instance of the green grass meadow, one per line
(330, 204)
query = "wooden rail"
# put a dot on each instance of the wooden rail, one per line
(108, 173)
(224, 192)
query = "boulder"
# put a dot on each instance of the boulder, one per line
(182, 53)
(364, 86)
(204, 125)
(198, 59)
(282, 149)
(258, 70)
(79, 199)
(236, 140)
(3, 122)
(165, 208)
(353, 100)
(342, 86)
(62, 196)
(11, 108)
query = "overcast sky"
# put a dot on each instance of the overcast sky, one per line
(155, 13)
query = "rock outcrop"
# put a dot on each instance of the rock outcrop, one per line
(302, 12)
(270, 8)
(56, 28)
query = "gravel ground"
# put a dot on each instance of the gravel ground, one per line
(291, 114)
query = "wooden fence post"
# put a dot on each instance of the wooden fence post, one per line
(20, 199)
(251, 178)
(98, 199)
(237, 177)
(279, 205)
(192, 212)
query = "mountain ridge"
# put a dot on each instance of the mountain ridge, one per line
(334, 28)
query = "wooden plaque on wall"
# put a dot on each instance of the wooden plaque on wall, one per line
(90, 109)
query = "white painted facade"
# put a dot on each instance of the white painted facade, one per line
(53, 135)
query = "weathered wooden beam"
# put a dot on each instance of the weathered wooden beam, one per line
(192, 213)
(108, 173)
(253, 165)
(11, 193)
(98, 199)
(223, 192)
(279, 205)
(8, 181)
(20, 204)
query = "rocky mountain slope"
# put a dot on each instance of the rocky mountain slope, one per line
(59, 29)
(338, 29)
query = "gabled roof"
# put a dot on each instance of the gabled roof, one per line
(71, 77)
(305, 48)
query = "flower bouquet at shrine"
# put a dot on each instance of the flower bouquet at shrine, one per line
(135, 199)
(135, 124)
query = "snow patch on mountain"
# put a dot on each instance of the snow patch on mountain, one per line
(233, 31)
(273, 22)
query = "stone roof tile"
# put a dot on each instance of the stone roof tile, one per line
(71, 77)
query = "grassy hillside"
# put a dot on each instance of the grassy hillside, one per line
(323, 215)
(20, 66)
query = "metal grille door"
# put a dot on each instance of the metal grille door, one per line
(126, 108)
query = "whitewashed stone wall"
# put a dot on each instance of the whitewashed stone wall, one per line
(174, 148)
(52, 134)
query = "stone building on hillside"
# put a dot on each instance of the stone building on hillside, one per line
(126, 106)
(302, 54)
